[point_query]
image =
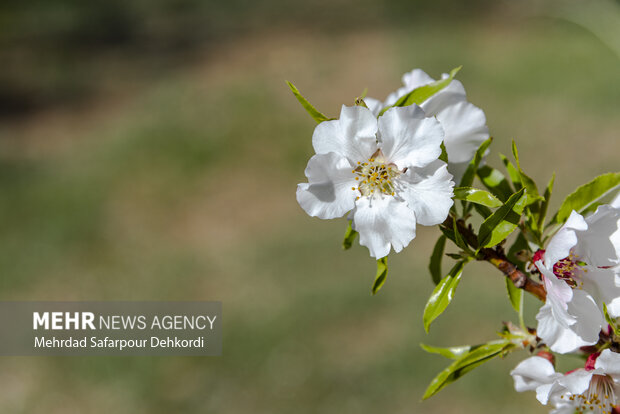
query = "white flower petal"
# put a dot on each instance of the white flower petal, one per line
(428, 191)
(416, 78)
(601, 284)
(353, 135)
(457, 169)
(565, 331)
(533, 372)
(328, 193)
(560, 244)
(616, 201)
(408, 139)
(383, 222)
(609, 362)
(464, 125)
(550, 392)
(599, 245)
(558, 293)
(589, 317)
(374, 105)
(559, 338)
(578, 326)
(577, 381)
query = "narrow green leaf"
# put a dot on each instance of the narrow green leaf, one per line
(470, 172)
(382, 270)
(513, 173)
(442, 295)
(314, 113)
(515, 295)
(349, 237)
(545, 203)
(435, 264)
(421, 94)
(477, 196)
(503, 221)
(531, 224)
(466, 363)
(588, 194)
(449, 233)
(453, 352)
(458, 239)
(611, 321)
(526, 181)
(482, 210)
(495, 182)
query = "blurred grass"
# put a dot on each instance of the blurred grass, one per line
(184, 190)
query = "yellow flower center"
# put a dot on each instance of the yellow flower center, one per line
(375, 176)
(599, 398)
(570, 270)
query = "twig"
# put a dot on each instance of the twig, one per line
(497, 258)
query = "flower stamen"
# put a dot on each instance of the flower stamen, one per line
(599, 398)
(376, 177)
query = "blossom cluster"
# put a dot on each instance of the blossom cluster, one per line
(385, 171)
(390, 165)
(581, 272)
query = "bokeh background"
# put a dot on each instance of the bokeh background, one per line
(150, 150)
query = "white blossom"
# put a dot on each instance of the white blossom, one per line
(464, 123)
(592, 389)
(385, 172)
(580, 272)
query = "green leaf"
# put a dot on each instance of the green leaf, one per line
(442, 295)
(364, 93)
(495, 182)
(435, 264)
(611, 321)
(482, 210)
(513, 173)
(526, 181)
(588, 194)
(533, 233)
(470, 172)
(503, 221)
(519, 245)
(458, 239)
(421, 94)
(382, 270)
(453, 352)
(467, 362)
(515, 295)
(349, 237)
(545, 203)
(314, 113)
(477, 196)
(449, 233)
(444, 154)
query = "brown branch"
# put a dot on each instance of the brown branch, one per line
(497, 257)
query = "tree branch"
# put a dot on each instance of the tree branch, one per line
(498, 258)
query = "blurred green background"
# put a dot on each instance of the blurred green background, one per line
(150, 150)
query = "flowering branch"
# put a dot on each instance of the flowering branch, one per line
(416, 158)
